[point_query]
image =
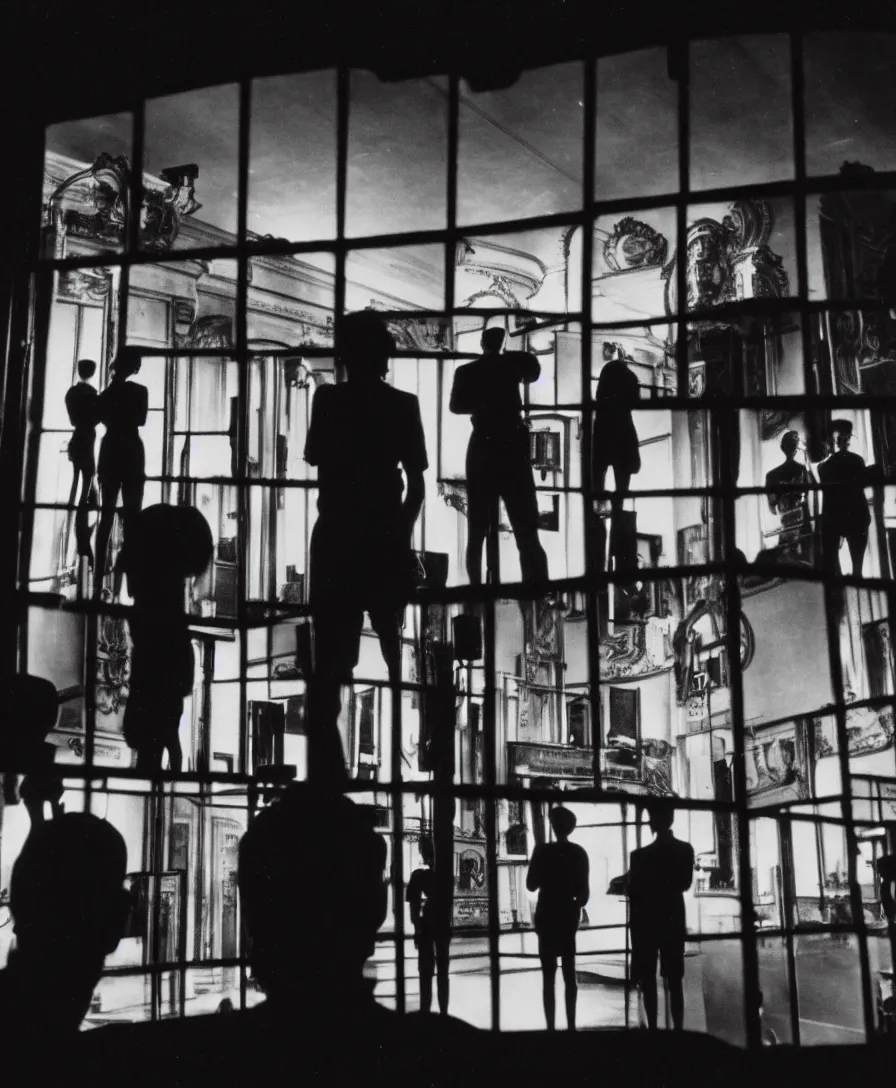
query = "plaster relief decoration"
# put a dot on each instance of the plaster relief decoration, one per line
(113, 666)
(513, 276)
(705, 624)
(454, 494)
(634, 244)
(417, 333)
(92, 203)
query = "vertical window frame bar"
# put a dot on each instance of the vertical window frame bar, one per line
(596, 579)
(243, 413)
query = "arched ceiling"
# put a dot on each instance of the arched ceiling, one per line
(520, 149)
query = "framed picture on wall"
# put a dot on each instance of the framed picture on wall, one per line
(777, 764)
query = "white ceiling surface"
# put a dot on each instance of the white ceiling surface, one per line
(520, 150)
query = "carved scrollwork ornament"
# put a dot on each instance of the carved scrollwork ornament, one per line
(634, 244)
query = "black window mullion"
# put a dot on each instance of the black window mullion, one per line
(243, 397)
(596, 579)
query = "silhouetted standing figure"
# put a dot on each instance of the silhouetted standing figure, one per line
(430, 937)
(886, 872)
(559, 872)
(69, 909)
(615, 441)
(168, 544)
(499, 464)
(791, 505)
(658, 876)
(844, 511)
(81, 405)
(121, 407)
(362, 433)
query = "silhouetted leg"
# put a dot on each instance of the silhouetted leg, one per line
(131, 505)
(648, 994)
(568, 967)
(337, 636)
(830, 546)
(443, 965)
(149, 758)
(548, 985)
(479, 493)
(426, 963)
(72, 496)
(175, 753)
(104, 529)
(857, 543)
(676, 1002)
(518, 492)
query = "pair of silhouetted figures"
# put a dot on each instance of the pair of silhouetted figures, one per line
(313, 893)
(844, 513)
(121, 469)
(659, 875)
(363, 433)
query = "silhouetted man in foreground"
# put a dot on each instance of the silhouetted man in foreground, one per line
(659, 875)
(362, 433)
(498, 457)
(313, 892)
(432, 931)
(81, 405)
(69, 910)
(559, 873)
(168, 544)
(844, 511)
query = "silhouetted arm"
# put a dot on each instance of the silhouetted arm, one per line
(583, 889)
(414, 462)
(533, 877)
(461, 403)
(318, 428)
(526, 367)
(686, 876)
(886, 869)
(413, 896)
(142, 405)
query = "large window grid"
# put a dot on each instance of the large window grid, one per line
(255, 615)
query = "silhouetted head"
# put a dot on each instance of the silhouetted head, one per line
(68, 903)
(312, 888)
(493, 340)
(168, 543)
(427, 851)
(563, 822)
(226, 1005)
(661, 814)
(841, 430)
(126, 363)
(29, 706)
(790, 443)
(364, 345)
(86, 369)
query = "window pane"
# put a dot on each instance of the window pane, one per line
(200, 128)
(849, 81)
(637, 126)
(397, 155)
(740, 111)
(86, 172)
(520, 149)
(292, 166)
